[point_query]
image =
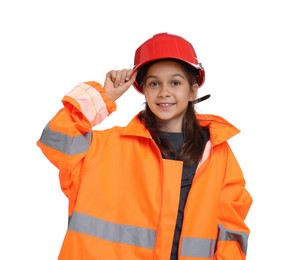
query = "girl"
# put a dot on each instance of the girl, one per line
(166, 186)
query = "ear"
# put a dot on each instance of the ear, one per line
(194, 92)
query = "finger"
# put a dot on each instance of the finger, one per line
(123, 76)
(132, 75)
(119, 78)
(129, 78)
(112, 75)
(116, 78)
(129, 75)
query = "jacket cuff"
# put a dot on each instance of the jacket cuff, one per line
(110, 104)
(91, 100)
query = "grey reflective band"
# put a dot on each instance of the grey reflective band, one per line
(201, 247)
(64, 143)
(126, 234)
(198, 247)
(230, 235)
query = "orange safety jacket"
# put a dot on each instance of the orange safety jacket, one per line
(123, 196)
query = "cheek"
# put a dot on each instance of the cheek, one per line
(148, 94)
(188, 96)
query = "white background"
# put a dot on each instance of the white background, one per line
(47, 47)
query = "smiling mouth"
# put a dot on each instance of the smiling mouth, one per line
(165, 104)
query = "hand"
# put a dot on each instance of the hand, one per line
(117, 82)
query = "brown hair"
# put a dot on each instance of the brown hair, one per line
(195, 136)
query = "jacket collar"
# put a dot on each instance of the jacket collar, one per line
(136, 128)
(220, 129)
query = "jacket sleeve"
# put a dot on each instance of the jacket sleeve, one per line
(235, 202)
(65, 140)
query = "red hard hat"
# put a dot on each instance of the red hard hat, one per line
(163, 46)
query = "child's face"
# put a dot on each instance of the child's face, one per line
(167, 91)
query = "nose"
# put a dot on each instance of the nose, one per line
(164, 91)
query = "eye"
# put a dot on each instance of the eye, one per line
(153, 84)
(175, 83)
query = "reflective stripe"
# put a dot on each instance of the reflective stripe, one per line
(231, 235)
(198, 247)
(125, 234)
(201, 247)
(64, 143)
(91, 103)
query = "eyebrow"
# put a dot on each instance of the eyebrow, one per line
(173, 75)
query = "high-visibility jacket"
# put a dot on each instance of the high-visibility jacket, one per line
(123, 196)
